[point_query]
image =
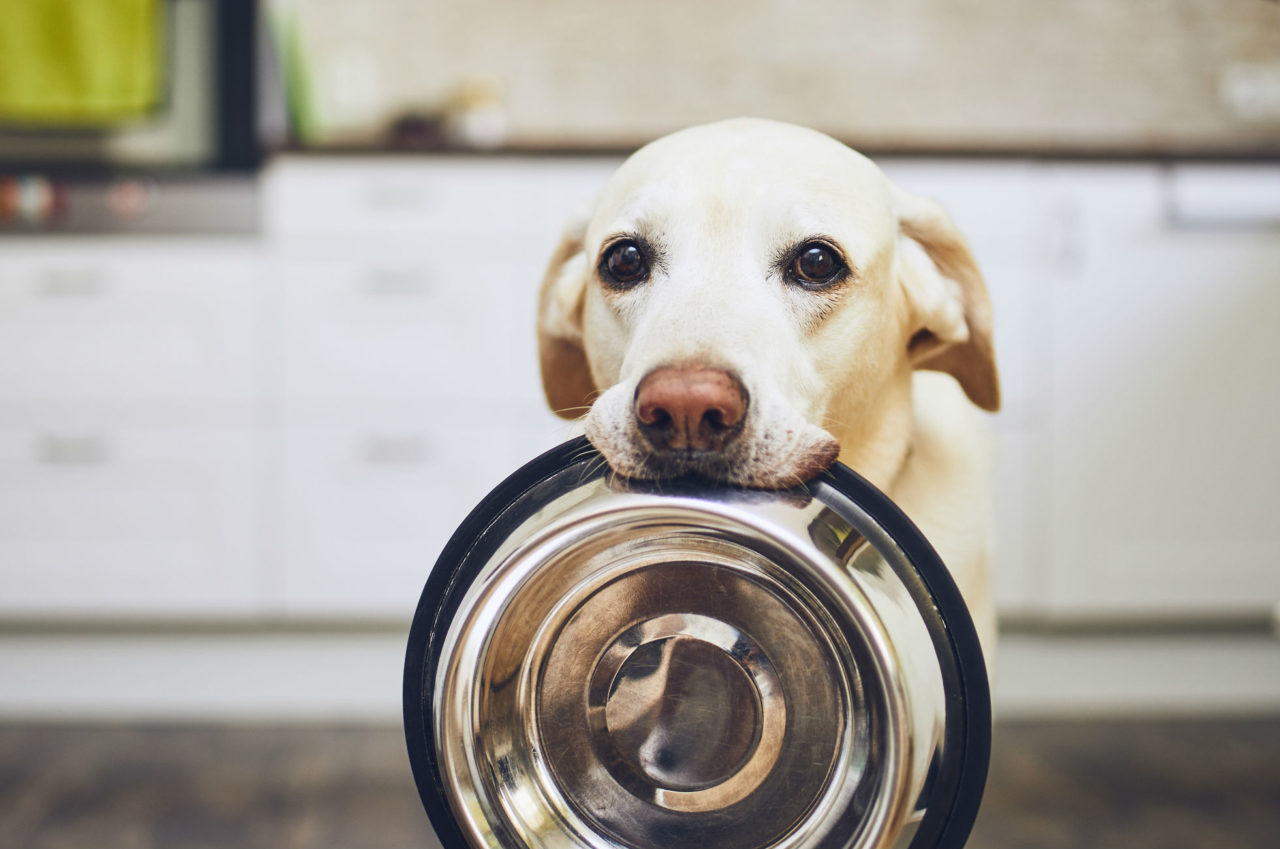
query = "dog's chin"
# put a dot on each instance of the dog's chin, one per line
(792, 457)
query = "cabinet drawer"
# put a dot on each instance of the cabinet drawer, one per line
(123, 324)
(1165, 453)
(407, 328)
(1018, 547)
(367, 505)
(113, 522)
(1021, 291)
(432, 200)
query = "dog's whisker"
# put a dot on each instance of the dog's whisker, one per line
(593, 467)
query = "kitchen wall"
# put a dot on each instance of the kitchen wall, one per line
(1148, 76)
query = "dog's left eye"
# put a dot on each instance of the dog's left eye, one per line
(816, 264)
(624, 264)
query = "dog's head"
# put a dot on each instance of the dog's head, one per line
(742, 291)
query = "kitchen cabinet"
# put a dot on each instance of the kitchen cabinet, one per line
(404, 373)
(95, 320)
(1000, 209)
(119, 521)
(396, 327)
(290, 426)
(129, 453)
(367, 499)
(1165, 384)
(444, 204)
(1136, 454)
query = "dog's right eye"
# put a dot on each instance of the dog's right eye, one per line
(624, 264)
(816, 265)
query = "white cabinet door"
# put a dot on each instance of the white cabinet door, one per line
(427, 201)
(137, 319)
(406, 364)
(113, 521)
(367, 500)
(129, 373)
(1166, 388)
(403, 327)
(416, 278)
(997, 207)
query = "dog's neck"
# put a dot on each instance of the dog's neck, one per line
(875, 441)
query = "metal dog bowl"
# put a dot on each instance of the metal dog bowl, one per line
(598, 663)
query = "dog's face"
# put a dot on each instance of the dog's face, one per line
(742, 293)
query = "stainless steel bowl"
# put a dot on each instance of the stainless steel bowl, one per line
(602, 663)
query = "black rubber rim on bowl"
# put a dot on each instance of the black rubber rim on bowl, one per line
(962, 774)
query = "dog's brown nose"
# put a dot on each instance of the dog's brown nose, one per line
(690, 408)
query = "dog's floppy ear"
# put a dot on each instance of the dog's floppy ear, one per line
(949, 301)
(566, 377)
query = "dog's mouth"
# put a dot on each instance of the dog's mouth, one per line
(691, 462)
(761, 459)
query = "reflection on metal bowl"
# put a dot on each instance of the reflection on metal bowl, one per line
(603, 663)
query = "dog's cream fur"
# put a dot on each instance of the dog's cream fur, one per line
(841, 368)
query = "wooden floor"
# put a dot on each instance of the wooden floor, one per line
(1130, 784)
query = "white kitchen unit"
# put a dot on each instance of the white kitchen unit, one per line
(1165, 373)
(129, 320)
(1000, 209)
(1136, 308)
(130, 456)
(116, 521)
(255, 448)
(404, 376)
(365, 499)
(288, 427)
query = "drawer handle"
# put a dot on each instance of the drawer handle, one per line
(89, 449)
(394, 282)
(1222, 198)
(72, 283)
(395, 450)
(393, 197)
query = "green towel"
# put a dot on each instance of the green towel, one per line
(79, 62)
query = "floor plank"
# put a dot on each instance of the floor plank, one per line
(1204, 783)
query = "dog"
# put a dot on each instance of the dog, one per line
(749, 301)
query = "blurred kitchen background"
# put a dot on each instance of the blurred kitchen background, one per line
(267, 280)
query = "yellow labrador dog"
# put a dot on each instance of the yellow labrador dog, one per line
(750, 301)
